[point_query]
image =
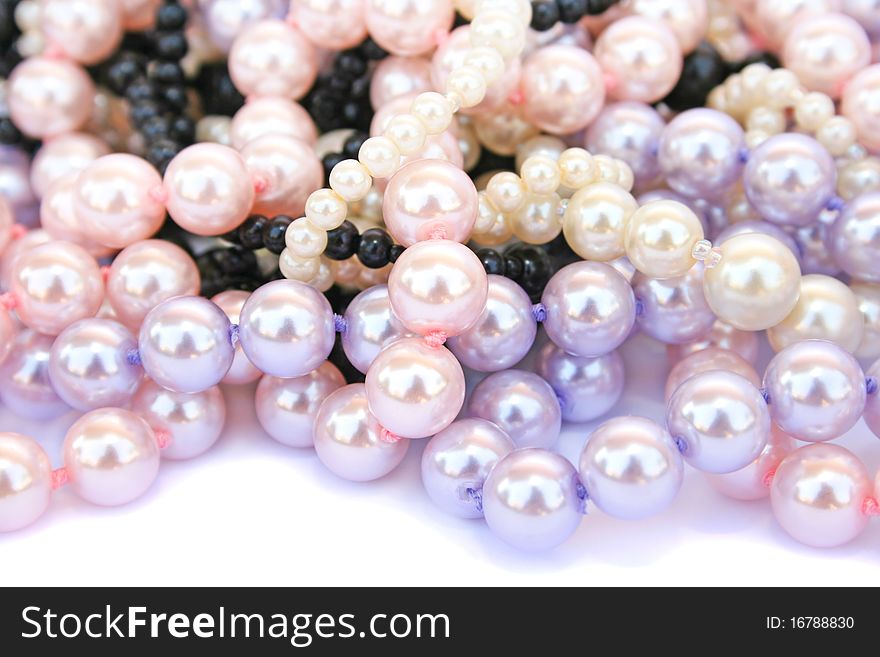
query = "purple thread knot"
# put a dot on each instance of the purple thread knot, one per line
(133, 357)
(234, 334)
(560, 397)
(640, 307)
(475, 495)
(539, 312)
(681, 443)
(743, 155)
(835, 203)
(765, 394)
(340, 325)
(583, 496)
(870, 385)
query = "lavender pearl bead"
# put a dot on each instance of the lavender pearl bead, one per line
(750, 482)
(764, 227)
(818, 493)
(504, 332)
(673, 310)
(629, 131)
(855, 237)
(185, 344)
(111, 456)
(15, 186)
(817, 390)
(286, 328)
(521, 404)
(789, 179)
(286, 408)
(721, 419)
(25, 481)
(586, 388)
(370, 326)
(871, 412)
(90, 365)
(590, 308)
(530, 499)
(25, 387)
(631, 468)
(348, 438)
(700, 153)
(225, 19)
(194, 421)
(814, 246)
(459, 459)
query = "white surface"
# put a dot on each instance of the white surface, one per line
(253, 512)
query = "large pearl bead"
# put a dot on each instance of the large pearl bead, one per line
(750, 482)
(25, 481)
(594, 221)
(370, 326)
(659, 239)
(707, 360)
(87, 31)
(24, 378)
(49, 97)
(673, 310)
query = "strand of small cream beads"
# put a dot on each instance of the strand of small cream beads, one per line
(498, 33)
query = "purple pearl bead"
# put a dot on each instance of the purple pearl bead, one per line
(872, 401)
(15, 186)
(504, 332)
(629, 131)
(457, 461)
(590, 308)
(185, 344)
(586, 388)
(673, 310)
(763, 227)
(700, 153)
(521, 404)
(699, 209)
(855, 237)
(814, 246)
(531, 501)
(817, 390)
(370, 326)
(25, 387)
(789, 179)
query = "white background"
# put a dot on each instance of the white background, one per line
(253, 512)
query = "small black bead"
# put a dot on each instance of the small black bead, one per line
(360, 88)
(329, 161)
(596, 7)
(395, 252)
(175, 96)
(156, 127)
(513, 266)
(273, 233)
(350, 63)
(167, 73)
(545, 14)
(250, 233)
(123, 72)
(352, 145)
(218, 93)
(767, 58)
(537, 268)
(233, 261)
(143, 111)
(342, 242)
(571, 11)
(351, 113)
(374, 247)
(183, 129)
(702, 71)
(493, 262)
(170, 16)
(161, 152)
(372, 50)
(9, 134)
(171, 45)
(140, 89)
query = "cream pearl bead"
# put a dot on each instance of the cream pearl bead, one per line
(577, 168)
(837, 135)
(468, 84)
(433, 110)
(755, 285)
(351, 180)
(546, 145)
(491, 227)
(500, 30)
(659, 239)
(538, 220)
(325, 209)
(297, 268)
(813, 110)
(868, 297)
(502, 130)
(522, 9)
(407, 132)
(826, 310)
(594, 221)
(506, 191)
(487, 61)
(304, 239)
(541, 174)
(380, 156)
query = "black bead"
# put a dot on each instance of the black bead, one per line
(156, 127)
(373, 249)
(513, 266)
(171, 16)
(329, 161)
(537, 268)
(596, 7)
(8, 28)
(360, 88)
(183, 129)
(342, 242)
(250, 233)
(143, 111)
(161, 152)
(352, 145)
(273, 233)
(175, 96)
(493, 262)
(372, 50)
(350, 63)
(767, 58)
(167, 73)
(123, 72)
(140, 89)
(571, 11)
(395, 252)
(218, 93)
(351, 113)
(171, 45)
(545, 14)
(9, 134)
(233, 261)
(702, 71)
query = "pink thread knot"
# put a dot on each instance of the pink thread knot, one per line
(387, 437)
(871, 507)
(105, 273)
(768, 478)
(17, 231)
(610, 81)
(435, 339)
(441, 36)
(163, 437)
(261, 184)
(53, 50)
(59, 478)
(158, 194)
(517, 97)
(8, 301)
(438, 233)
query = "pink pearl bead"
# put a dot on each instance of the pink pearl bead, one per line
(708, 360)
(271, 116)
(63, 155)
(826, 51)
(15, 185)
(118, 200)
(330, 24)
(49, 97)
(7, 334)
(85, 30)
(111, 456)
(818, 493)
(209, 189)
(430, 197)
(688, 19)
(25, 387)
(59, 219)
(438, 285)
(724, 336)
(415, 390)
(271, 58)
(408, 27)
(242, 370)
(750, 483)
(54, 285)
(146, 274)
(860, 103)
(563, 89)
(395, 77)
(289, 169)
(138, 15)
(25, 481)
(776, 19)
(10, 256)
(6, 221)
(642, 58)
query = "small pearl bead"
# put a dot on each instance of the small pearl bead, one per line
(606, 168)
(407, 132)
(507, 191)
(487, 61)
(323, 280)
(764, 119)
(659, 238)
(325, 209)
(297, 268)
(304, 239)
(577, 168)
(541, 174)
(434, 110)
(468, 84)
(537, 221)
(779, 87)
(351, 180)
(521, 9)
(594, 221)
(380, 156)
(625, 176)
(837, 134)
(498, 30)
(813, 110)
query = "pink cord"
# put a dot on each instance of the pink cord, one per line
(8, 301)
(59, 478)
(387, 437)
(163, 437)
(438, 233)
(158, 194)
(105, 273)
(870, 507)
(261, 184)
(517, 97)
(435, 339)
(17, 231)
(768, 478)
